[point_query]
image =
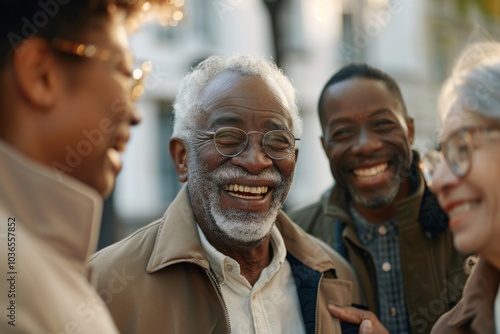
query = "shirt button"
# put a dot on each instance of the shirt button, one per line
(382, 230)
(386, 266)
(229, 267)
(393, 312)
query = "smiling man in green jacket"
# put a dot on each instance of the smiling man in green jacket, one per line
(380, 215)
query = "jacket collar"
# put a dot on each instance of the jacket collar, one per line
(57, 209)
(178, 240)
(299, 244)
(478, 299)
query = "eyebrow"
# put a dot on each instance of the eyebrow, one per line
(232, 120)
(226, 120)
(454, 133)
(380, 111)
(351, 119)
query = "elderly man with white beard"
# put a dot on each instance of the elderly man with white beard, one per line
(224, 257)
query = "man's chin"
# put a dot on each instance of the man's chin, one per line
(103, 182)
(106, 186)
(372, 201)
(243, 236)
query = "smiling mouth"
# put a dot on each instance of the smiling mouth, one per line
(372, 171)
(246, 192)
(461, 208)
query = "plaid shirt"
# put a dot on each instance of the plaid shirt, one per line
(382, 242)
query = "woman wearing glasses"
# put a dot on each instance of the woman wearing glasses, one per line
(465, 175)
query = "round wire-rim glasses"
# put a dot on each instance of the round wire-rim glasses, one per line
(457, 151)
(230, 142)
(91, 51)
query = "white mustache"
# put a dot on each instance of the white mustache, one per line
(223, 174)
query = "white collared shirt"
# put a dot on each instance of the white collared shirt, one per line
(271, 305)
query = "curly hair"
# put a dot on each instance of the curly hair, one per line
(20, 20)
(187, 109)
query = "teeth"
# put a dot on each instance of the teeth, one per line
(372, 171)
(247, 197)
(245, 189)
(462, 208)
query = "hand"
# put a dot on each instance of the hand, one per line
(369, 323)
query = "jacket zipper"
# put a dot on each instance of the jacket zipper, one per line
(219, 290)
(317, 305)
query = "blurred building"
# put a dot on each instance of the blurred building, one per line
(413, 40)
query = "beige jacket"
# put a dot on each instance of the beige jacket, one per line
(474, 312)
(47, 229)
(167, 285)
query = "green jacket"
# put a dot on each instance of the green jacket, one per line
(433, 274)
(159, 279)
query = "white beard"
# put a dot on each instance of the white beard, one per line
(246, 227)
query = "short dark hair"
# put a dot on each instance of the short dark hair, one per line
(361, 70)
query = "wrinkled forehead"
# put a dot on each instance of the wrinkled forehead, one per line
(233, 84)
(232, 91)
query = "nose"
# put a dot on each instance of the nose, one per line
(253, 158)
(366, 143)
(443, 178)
(136, 115)
(126, 110)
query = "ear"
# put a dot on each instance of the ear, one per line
(179, 156)
(411, 129)
(34, 68)
(296, 154)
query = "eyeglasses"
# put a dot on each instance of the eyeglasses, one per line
(91, 51)
(229, 142)
(457, 151)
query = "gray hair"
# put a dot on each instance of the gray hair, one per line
(474, 84)
(187, 108)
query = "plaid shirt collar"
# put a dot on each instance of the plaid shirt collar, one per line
(367, 231)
